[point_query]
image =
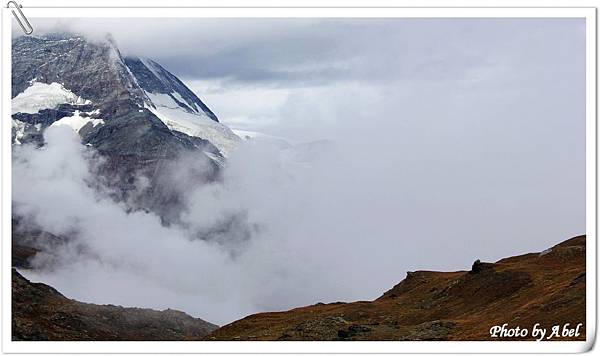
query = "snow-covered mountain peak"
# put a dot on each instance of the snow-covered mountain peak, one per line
(54, 73)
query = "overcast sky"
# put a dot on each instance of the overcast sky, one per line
(251, 71)
(456, 139)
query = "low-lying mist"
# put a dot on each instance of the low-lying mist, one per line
(341, 219)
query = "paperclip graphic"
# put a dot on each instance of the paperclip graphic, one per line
(21, 19)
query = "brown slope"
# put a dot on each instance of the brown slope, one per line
(546, 288)
(42, 313)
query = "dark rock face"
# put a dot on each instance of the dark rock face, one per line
(40, 312)
(47, 117)
(138, 134)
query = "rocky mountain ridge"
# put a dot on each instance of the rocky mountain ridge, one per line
(41, 313)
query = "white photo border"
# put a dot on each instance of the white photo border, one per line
(9, 346)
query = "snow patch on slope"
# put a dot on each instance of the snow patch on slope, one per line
(19, 130)
(40, 96)
(77, 122)
(192, 124)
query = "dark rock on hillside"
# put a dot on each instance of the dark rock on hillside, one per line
(479, 266)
